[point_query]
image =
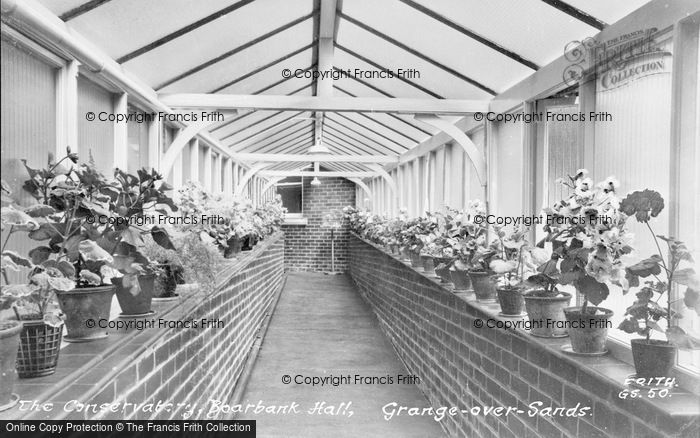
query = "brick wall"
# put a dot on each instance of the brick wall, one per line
(188, 366)
(433, 332)
(308, 247)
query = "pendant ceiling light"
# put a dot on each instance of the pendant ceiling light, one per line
(315, 181)
(318, 148)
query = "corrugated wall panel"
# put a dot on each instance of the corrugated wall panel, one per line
(27, 125)
(95, 137)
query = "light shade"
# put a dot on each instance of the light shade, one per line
(315, 181)
(318, 148)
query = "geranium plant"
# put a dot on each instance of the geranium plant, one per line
(665, 274)
(589, 239)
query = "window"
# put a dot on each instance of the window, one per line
(95, 137)
(291, 190)
(137, 155)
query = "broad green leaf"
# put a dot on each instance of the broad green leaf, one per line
(594, 291)
(90, 250)
(90, 277)
(19, 220)
(40, 254)
(44, 232)
(687, 277)
(17, 259)
(62, 284)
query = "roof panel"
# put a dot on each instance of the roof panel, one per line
(530, 28)
(119, 27)
(436, 41)
(202, 48)
(432, 77)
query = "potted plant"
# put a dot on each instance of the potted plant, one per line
(481, 274)
(40, 325)
(465, 236)
(168, 270)
(545, 305)
(592, 239)
(131, 198)
(81, 222)
(509, 266)
(656, 357)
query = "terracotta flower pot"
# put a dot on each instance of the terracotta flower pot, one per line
(428, 265)
(653, 358)
(40, 345)
(9, 343)
(83, 304)
(592, 331)
(235, 245)
(461, 280)
(546, 314)
(484, 287)
(511, 301)
(444, 271)
(139, 304)
(415, 261)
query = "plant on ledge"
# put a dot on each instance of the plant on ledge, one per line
(511, 265)
(589, 237)
(653, 357)
(33, 301)
(88, 227)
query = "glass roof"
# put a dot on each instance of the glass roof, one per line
(457, 49)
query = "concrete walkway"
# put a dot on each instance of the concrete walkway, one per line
(322, 328)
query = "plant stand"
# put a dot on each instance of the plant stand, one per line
(332, 271)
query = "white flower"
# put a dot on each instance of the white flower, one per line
(610, 184)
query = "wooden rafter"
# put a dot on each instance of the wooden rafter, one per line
(82, 9)
(576, 13)
(326, 104)
(184, 30)
(232, 52)
(473, 35)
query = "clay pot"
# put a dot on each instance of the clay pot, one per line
(511, 301)
(83, 304)
(235, 245)
(9, 343)
(546, 314)
(484, 287)
(416, 261)
(444, 272)
(592, 331)
(428, 265)
(139, 304)
(461, 280)
(653, 358)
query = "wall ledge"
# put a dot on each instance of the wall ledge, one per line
(102, 360)
(605, 376)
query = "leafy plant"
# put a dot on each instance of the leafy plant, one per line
(510, 263)
(589, 237)
(89, 226)
(666, 273)
(34, 299)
